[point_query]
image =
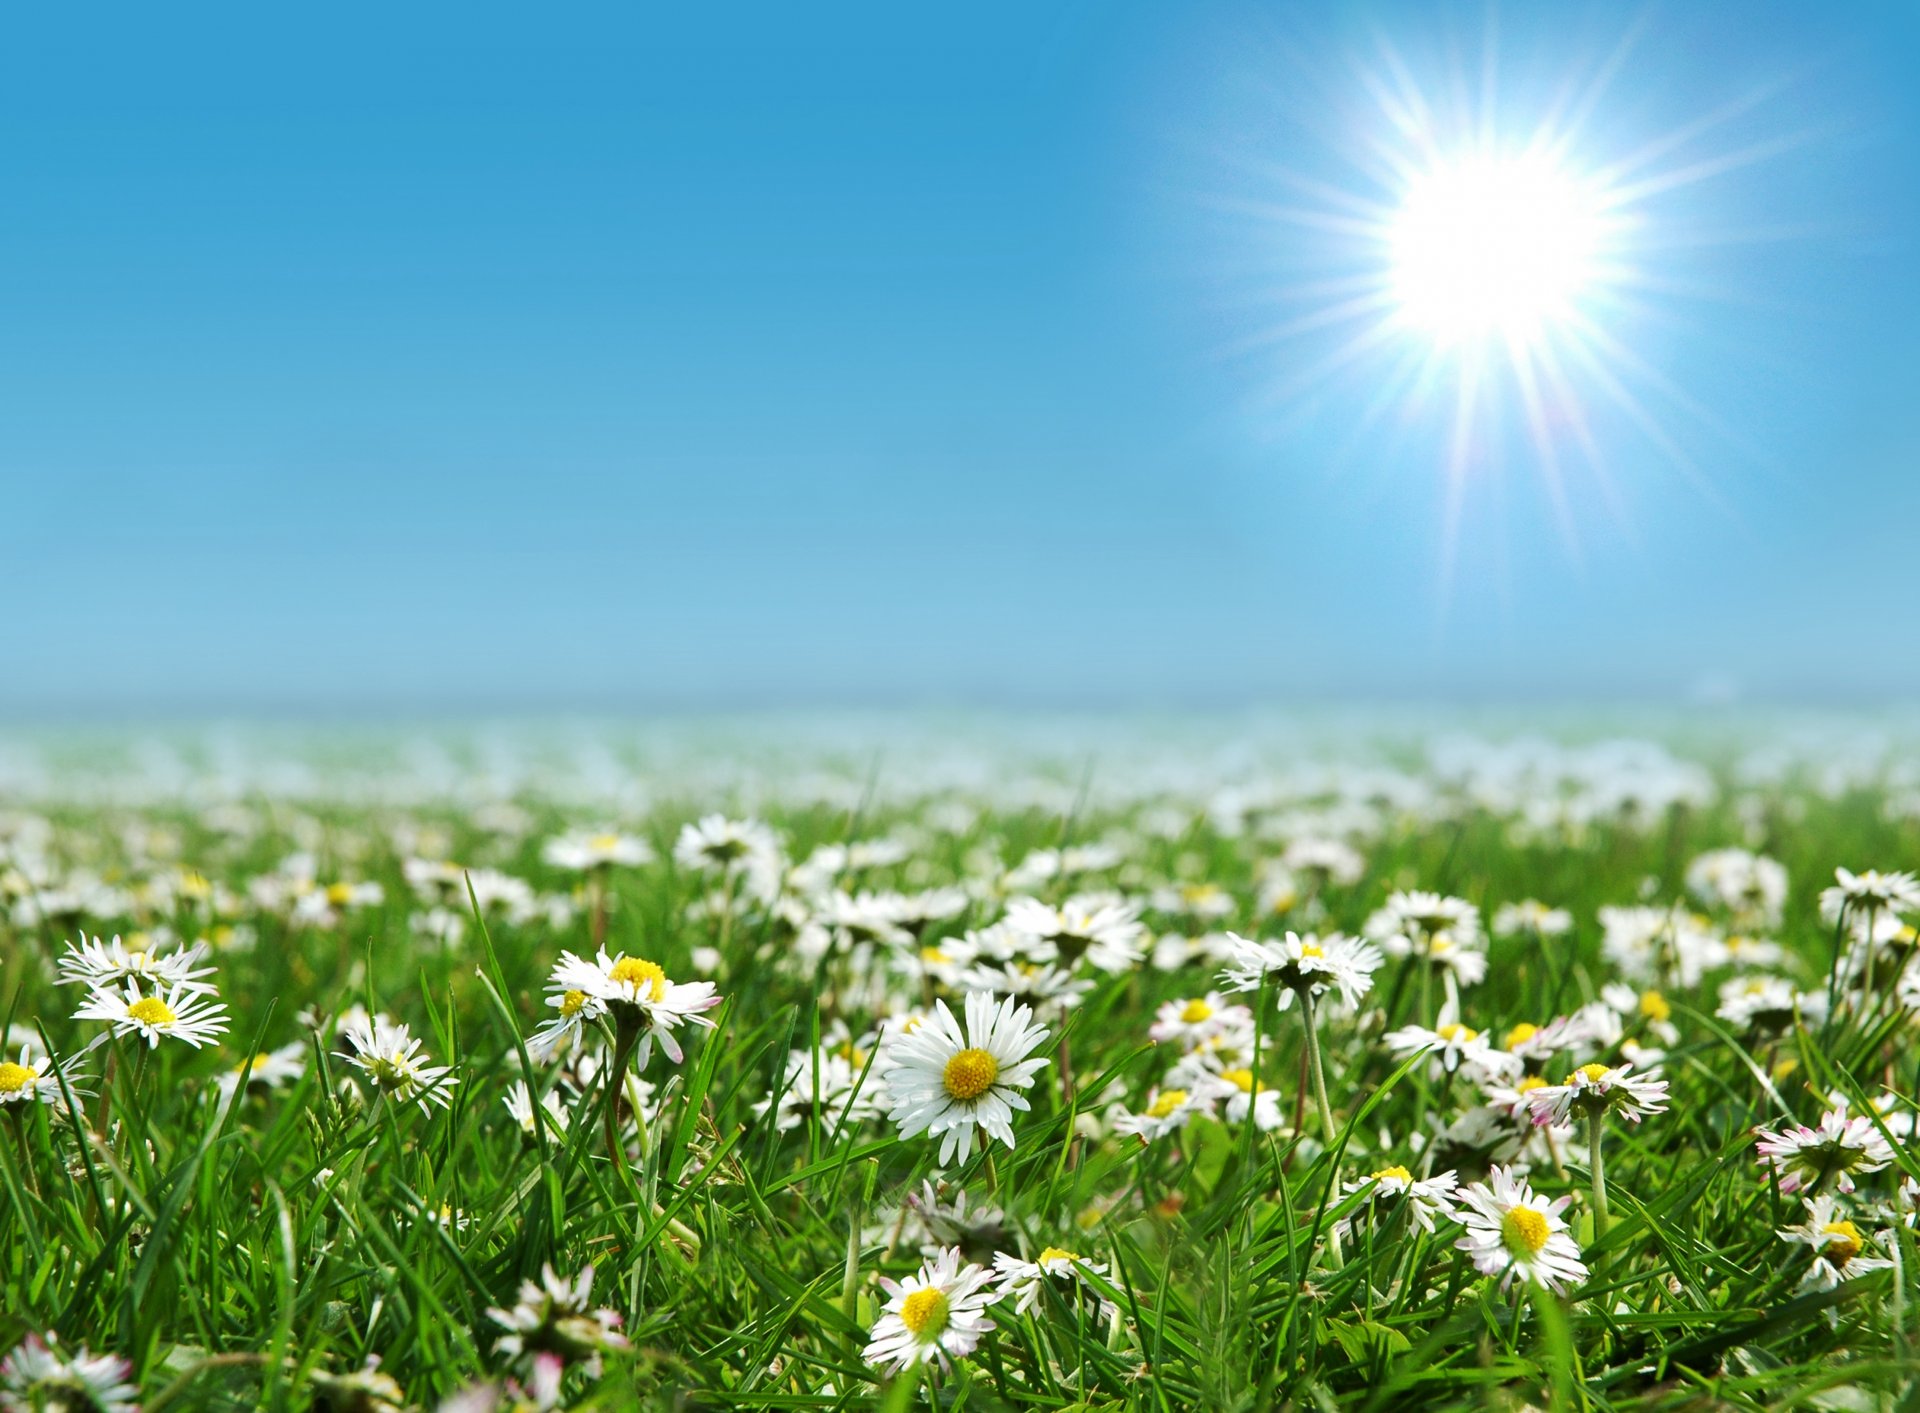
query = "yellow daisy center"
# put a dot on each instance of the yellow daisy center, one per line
(1396, 1172)
(970, 1074)
(571, 1003)
(1521, 1034)
(15, 1078)
(1200, 892)
(1529, 1084)
(604, 843)
(1843, 1241)
(1312, 949)
(932, 955)
(1169, 1100)
(1195, 1011)
(644, 976)
(1524, 1231)
(151, 1010)
(1241, 1080)
(1594, 1073)
(1056, 1253)
(1654, 1006)
(1456, 1034)
(339, 893)
(925, 1312)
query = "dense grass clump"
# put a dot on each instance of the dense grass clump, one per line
(1444, 1086)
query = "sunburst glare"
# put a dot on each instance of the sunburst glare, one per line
(1491, 255)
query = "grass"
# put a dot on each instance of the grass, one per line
(257, 1254)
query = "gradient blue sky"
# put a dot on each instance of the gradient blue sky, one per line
(428, 357)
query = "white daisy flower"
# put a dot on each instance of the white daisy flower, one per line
(1768, 1003)
(520, 1105)
(1838, 1246)
(1596, 1089)
(184, 1014)
(1531, 918)
(30, 1079)
(1191, 1021)
(556, 1316)
(743, 851)
(1511, 1232)
(838, 1087)
(1530, 1043)
(1167, 1110)
(946, 1081)
(394, 1062)
(1455, 1047)
(270, 1069)
(101, 965)
(634, 992)
(935, 1315)
(36, 1376)
(1104, 933)
(1808, 1159)
(578, 851)
(1868, 892)
(1425, 1198)
(1240, 1093)
(1303, 963)
(1025, 1281)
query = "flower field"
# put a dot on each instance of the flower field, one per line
(1254, 1071)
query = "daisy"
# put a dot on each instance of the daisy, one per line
(520, 1105)
(933, 1315)
(946, 1081)
(1191, 1021)
(578, 851)
(637, 994)
(1531, 918)
(555, 1316)
(1243, 1094)
(573, 1010)
(744, 851)
(37, 1376)
(26, 1081)
(270, 1069)
(1837, 1245)
(1025, 1280)
(1868, 892)
(1106, 934)
(176, 1011)
(1423, 916)
(1050, 990)
(101, 965)
(1768, 1003)
(1598, 1089)
(1511, 1232)
(1296, 963)
(1455, 1047)
(1807, 1159)
(1425, 1198)
(394, 1062)
(829, 1085)
(1167, 1111)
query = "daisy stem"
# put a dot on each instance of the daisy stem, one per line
(993, 1173)
(1328, 1133)
(1596, 1134)
(616, 1082)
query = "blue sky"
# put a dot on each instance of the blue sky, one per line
(505, 357)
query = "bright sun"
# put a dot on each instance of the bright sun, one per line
(1493, 247)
